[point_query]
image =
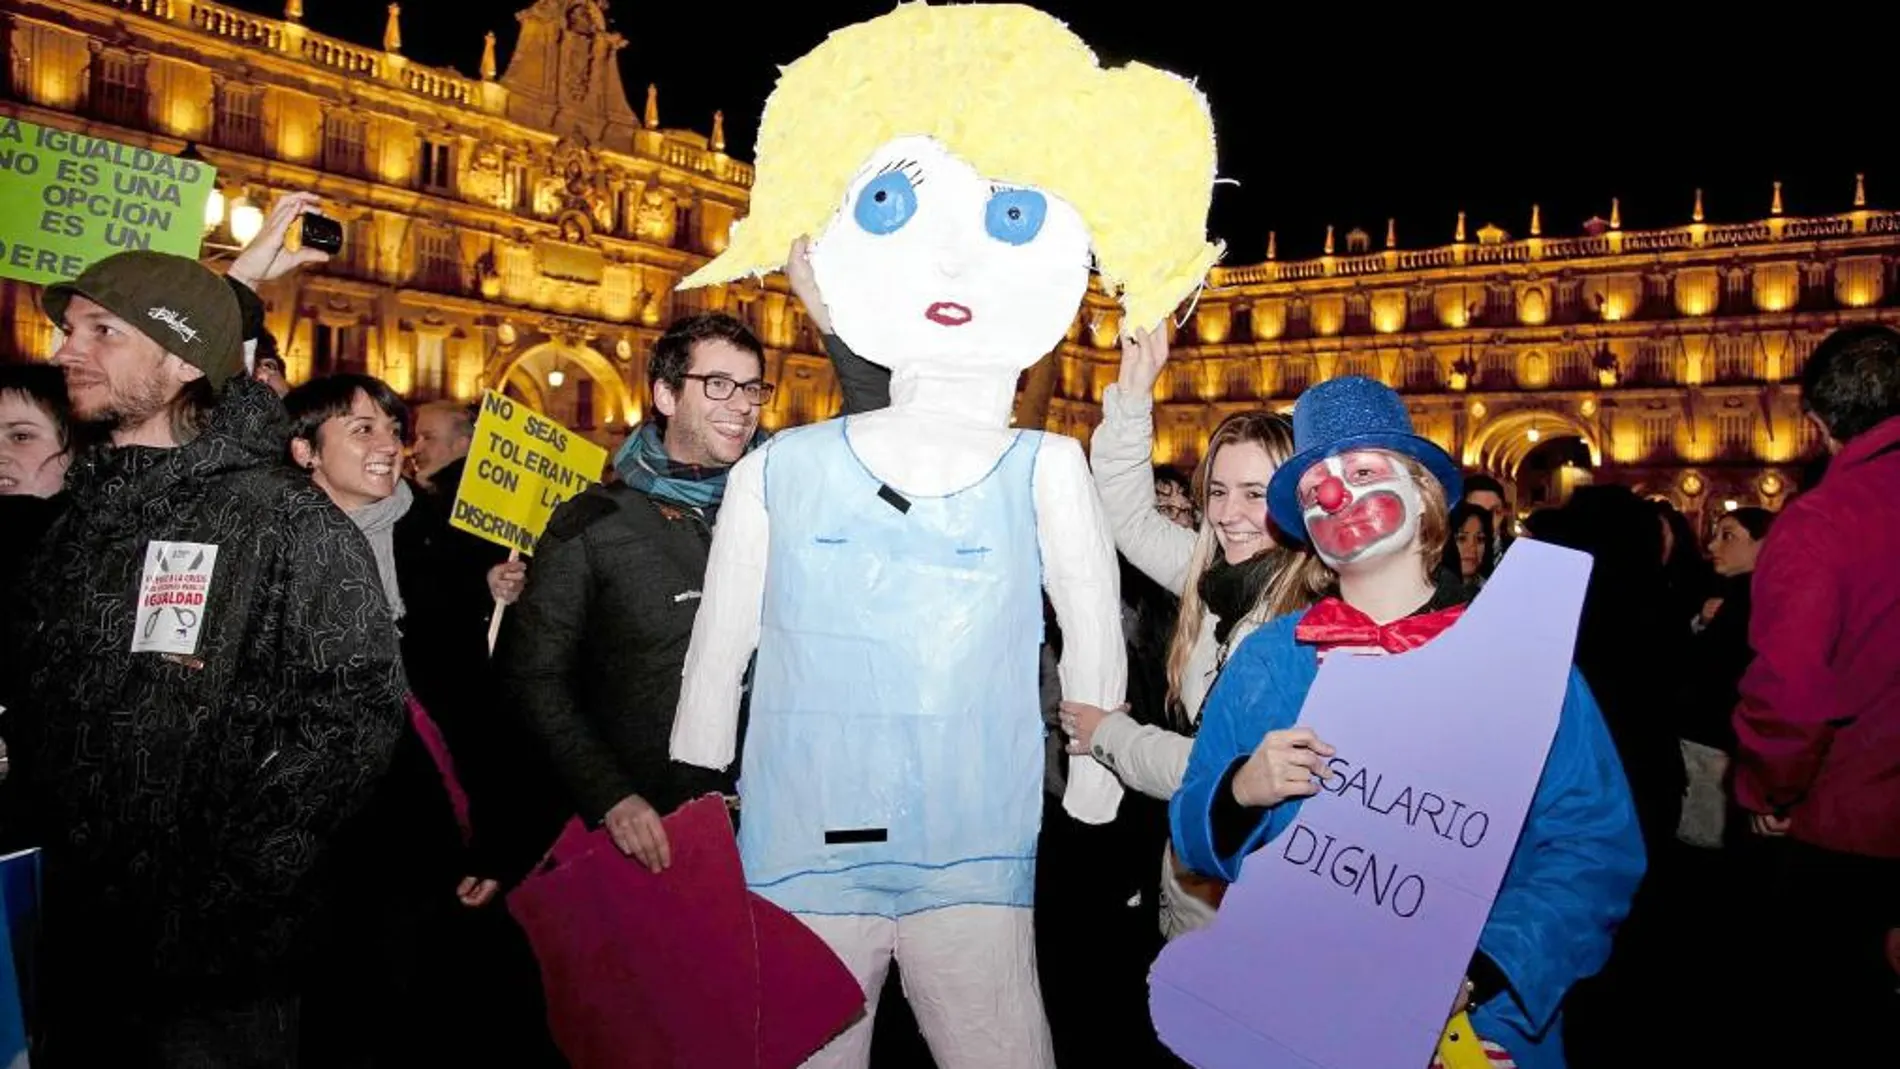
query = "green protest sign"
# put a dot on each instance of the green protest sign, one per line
(67, 200)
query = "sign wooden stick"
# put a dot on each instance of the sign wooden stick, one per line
(494, 622)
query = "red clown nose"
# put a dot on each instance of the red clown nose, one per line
(1330, 494)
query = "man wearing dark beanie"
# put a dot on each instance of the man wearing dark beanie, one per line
(211, 684)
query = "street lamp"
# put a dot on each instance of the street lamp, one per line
(214, 204)
(556, 378)
(246, 220)
(214, 209)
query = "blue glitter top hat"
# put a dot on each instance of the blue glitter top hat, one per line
(1341, 415)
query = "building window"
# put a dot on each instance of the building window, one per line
(434, 166)
(118, 89)
(1239, 378)
(1364, 365)
(437, 265)
(1735, 433)
(1652, 365)
(1499, 371)
(1182, 382)
(359, 247)
(1572, 369)
(344, 138)
(1798, 352)
(518, 192)
(1735, 359)
(795, 406)
(1295, 376)
(584, 404)
(1659, 435)
(339, 349)
(240, 119)
(517, 272)
(429, 366)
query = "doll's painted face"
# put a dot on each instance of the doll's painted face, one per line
(1360, 506)
(930, 263)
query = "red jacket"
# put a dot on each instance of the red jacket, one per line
(1818, 727)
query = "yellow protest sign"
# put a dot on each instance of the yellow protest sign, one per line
(521, 465)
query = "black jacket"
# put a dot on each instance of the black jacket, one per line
(591, 654)
(513, 799)
(183, 801)
(1718, 657)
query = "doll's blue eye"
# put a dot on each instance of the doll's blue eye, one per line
(1015, 215)
(886, 203)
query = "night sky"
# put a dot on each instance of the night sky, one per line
(1341, 113)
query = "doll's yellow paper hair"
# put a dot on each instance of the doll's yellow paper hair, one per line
(1023, 100)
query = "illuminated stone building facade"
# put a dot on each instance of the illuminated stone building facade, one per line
(1668, 360)
(523, 229)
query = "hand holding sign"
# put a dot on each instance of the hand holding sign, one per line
(1287, 764)
(507, 580)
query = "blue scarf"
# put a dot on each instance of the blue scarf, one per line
(643, 464)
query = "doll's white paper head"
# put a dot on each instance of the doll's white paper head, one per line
(1023, 103)
(929, 262)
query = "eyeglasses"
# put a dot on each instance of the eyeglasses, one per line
(720, 387)
(1176, 512)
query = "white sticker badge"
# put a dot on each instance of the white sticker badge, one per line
(172, 597)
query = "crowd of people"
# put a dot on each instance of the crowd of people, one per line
(282, 786)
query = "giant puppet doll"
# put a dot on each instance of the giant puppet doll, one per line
(962, 169)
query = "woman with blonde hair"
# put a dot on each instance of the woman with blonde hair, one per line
(1231, 574)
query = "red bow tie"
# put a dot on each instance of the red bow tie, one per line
(1332, 623)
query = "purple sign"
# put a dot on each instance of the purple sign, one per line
(1344, 941)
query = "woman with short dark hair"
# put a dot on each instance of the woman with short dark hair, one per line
(421, 844)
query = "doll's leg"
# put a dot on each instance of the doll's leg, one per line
(865, 945)
(970, 975)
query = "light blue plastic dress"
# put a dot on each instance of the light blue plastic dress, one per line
(894, 755)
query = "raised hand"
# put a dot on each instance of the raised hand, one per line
(1144, 354)
(265, 258)
(805, 284)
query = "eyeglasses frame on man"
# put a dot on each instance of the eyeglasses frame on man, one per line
(758, 392)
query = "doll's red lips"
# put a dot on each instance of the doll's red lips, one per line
(948, 314)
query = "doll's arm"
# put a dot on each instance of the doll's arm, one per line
(1084, 584)
(726, 631)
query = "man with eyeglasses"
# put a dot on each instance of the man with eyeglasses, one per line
(592, 653)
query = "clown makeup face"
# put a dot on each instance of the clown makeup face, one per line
(930, 263)
(1359, 506)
